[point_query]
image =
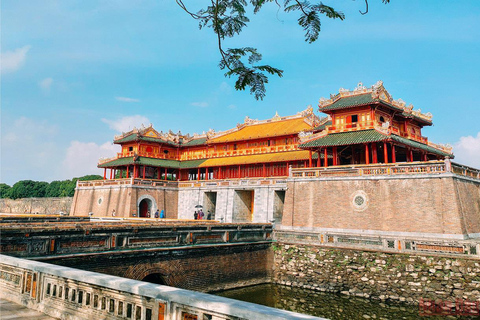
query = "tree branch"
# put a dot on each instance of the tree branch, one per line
(366, 9)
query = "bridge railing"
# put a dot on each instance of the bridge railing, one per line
(42, 240)
(69, 293)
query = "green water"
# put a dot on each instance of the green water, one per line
(327, 305)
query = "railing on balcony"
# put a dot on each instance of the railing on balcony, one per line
(233, 182)
(203, 154)
(407, 168)
(128, 181)
(465, 171)
(429, 167)
(444, 148)
(183, 184)
(363, 125)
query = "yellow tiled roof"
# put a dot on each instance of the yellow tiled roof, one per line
(265, 130)
(257, 158)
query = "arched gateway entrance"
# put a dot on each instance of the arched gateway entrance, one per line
(145, 205)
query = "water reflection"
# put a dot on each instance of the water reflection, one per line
(327, 305)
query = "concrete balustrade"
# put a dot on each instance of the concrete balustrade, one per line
(68, 293)
(399, 168)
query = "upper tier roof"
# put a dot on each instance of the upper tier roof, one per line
(274, 127)
(377, 94)
(249, 130)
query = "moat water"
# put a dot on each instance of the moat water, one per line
(326, 305)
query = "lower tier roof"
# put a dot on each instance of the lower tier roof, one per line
(367, 136)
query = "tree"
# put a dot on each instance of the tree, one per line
(23, 189)
(4, 191)
(227, 18)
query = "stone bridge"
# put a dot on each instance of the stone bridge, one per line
(198, 255)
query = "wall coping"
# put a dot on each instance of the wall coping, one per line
(203, 301)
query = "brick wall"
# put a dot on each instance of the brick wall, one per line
(428, 204)
(202, 269)
(123, 199)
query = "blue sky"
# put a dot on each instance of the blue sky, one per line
(76, 73)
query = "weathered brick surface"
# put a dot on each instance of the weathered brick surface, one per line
(203, 269)
(123, 199)
(440, 205)
(36, 205)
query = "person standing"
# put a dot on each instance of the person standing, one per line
(195, 215)
(156, 214)
(162, 214)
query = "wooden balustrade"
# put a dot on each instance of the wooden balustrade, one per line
(363, 125)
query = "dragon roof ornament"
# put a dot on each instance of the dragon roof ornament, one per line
(378, 92)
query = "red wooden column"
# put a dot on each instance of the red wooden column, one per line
(425, 156)
(309, 158)
(335, 156)
(144, 167)
(367, 154)
(166, 172)
(385, 152)
(159, 173)
(198, 174)
(104, 173)
(127, 171)
(325, 159)
(394, 158)
(111, 174)
(264, 171)
(319, 152)
(134, 171)
(374, 153)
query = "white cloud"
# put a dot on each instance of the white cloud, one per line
(199, 104)
(13, 60)
(467, 151)
(127, 123)
(126, 99)
(82, 157)
(225, 88)
(232, 106)
(46, 84)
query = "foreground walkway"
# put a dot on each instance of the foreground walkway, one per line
(11, 310)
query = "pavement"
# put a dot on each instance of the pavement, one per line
(11, 310)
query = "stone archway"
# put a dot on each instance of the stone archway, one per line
(162, 272)
(156, 278)
(146, 203)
